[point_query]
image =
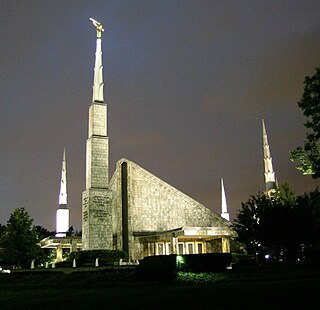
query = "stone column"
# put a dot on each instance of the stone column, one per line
(225, 245)
(59, 253)
(73, 245)
(174, 245)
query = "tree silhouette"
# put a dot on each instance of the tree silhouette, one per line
(308, 156)
(19, 241)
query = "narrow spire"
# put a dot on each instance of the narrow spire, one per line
(98, 84)
(267, 159)
(224, 208)
(63, 184)
(62, 214)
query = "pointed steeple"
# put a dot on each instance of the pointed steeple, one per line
(98, 84)
(96, 199)
(63, 184)
(62, 215)
(224, 207)
(267, 159)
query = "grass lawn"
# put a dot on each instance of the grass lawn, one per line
(268, 287)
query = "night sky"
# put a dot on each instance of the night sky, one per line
(187, 84)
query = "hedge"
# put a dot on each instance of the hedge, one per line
(165, 267)
(105, 257)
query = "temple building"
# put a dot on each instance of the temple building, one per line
(135, 211)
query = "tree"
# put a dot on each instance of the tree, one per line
(2, 234)
(281, 224)
(2, 231)
(20, 240)
(70, 231)
(308, 156)
(43, 232)
(44, 255)
(264, 224)
(309, 210)
(247, 224)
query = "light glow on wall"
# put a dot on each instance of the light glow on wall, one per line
(180, 261)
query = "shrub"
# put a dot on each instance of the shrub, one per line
(199, 278)
(105, 256)
(210, 262)
(63, 264)
(165, 267)
(243, 259)
(312, 255)
(162, 267)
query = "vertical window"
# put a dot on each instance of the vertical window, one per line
(168, 248)
(190, 248)
(160, 248)
(199, 248)
(180, 248)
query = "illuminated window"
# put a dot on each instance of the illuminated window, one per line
(199, 248)
(190, 248)
(168, 248)
(160, 248)
(180, 248)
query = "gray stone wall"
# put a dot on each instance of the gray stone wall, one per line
(97, 168)
(115, 186)
(96, 199)
(96, 219)
(97, 152)
(97, 120)
(154, 205)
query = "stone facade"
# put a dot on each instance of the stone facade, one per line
(96, 199)
(144, 205)
(97, 157)
(96, 219)
(137, 212)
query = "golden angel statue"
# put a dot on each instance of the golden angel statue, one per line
(98, 26)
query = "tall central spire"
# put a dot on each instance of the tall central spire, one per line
(96, 209)
(267, 159)
(97, 144)
(98, 84)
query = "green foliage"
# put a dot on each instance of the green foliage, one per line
(308, 156)
(199, 278)
(248, 222)
(104, 256)
(43, 232)
(309, 214)
(44, 255)
(19, 241)
(165, 267)
(70, 231)
(284, 195)
(280, 224)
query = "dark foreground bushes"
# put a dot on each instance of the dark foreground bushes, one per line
(165, 267)
(106, 257)
(312, 255)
